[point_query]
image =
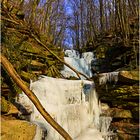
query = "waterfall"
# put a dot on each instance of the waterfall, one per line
(73, 104)
(72, 54)
(75, 108)
(82, 64)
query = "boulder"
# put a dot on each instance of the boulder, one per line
(128, 77)
(18, 130)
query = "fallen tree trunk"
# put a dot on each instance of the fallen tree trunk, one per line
(16, 78)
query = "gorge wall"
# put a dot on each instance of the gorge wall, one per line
(122, 96)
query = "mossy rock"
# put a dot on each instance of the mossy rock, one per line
(126, 90)
(124, 104)
(5, 105)
(122, 136)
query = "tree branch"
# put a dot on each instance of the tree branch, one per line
(16, 78)
(77, 72)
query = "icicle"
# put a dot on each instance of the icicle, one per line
(108, 77)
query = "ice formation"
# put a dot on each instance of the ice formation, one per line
(72, 54)
(108, 77)
(82, 64)
(104, 127)
(72, 103)
(66, 101)
(88, 56)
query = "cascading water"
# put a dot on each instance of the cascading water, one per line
(82, 64)
(72, 103)
(104, 127)
(66, 101)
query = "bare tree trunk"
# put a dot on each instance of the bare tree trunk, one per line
(101, 16)
(81, 22)
(16, 78)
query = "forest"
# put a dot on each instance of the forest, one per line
(35, 35)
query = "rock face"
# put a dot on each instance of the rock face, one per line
(18, 130)
(123, 100)
(130, 77)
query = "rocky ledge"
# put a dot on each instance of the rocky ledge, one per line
(123, 100)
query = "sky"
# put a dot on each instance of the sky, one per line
(68, 39)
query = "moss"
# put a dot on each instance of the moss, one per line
(120, 90)
(73, 78)
(5, 105)
(126, 90)
(14, 90)
(101, 51)
(30, 47)
(27, 76)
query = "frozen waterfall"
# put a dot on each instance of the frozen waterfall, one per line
(82, 64)
(72, 103)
